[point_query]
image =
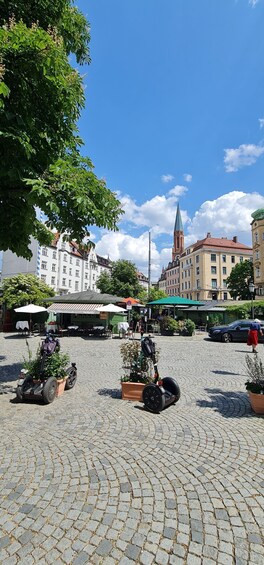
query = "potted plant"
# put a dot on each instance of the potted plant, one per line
(55, 365)
(137, 370)
(168, 326)
(255, 383)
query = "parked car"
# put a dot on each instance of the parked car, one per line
(236, 331)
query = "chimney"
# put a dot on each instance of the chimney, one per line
(235, 239)
(208, 234)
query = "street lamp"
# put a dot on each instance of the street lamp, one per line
(251, 288)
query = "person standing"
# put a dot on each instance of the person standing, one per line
(253, 334)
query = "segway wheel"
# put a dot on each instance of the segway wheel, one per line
(72, 378)
(21, 389)
(49, 390)
(19, 393)
(153, 398)
(172, 386)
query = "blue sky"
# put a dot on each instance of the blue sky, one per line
(175, 112)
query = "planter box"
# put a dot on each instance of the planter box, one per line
(132, 391)
(61, 387)
(257, 402)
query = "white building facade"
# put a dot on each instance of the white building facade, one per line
(61, 265)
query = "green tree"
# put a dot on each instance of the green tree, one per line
(154, 294)
(41, 98)
(237, 282)
(123, 280)
(24, 289)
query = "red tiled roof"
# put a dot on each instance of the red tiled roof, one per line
(222, 243)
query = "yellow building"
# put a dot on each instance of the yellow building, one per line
(257, 226)
(205, 266)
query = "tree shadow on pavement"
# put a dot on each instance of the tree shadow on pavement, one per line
(230, 404)
(113, 392)
(10, 373)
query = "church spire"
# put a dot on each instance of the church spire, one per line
(178, 236)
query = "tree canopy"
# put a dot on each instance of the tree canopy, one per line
(123, 280)
(154, 294)
(237, 282)
(41, 98)
(24, 289)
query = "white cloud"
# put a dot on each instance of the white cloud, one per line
(167, 178)
(226, 216)
(253, 2)
(261, 123)
(178, 190)
(157, 214)
(243, 156)
(187, 177)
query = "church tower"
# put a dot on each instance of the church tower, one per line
(178, 236)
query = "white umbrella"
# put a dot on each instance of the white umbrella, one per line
(110, 308)
(30, 309)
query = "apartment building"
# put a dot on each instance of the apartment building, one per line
(61, 265)
(205, 266)
(257, 226)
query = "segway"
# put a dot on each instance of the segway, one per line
(45, 387)
(161, 392)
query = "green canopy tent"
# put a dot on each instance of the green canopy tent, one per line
(175, 301)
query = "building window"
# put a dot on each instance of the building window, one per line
(213, 257)
(197, 258)
(241, 259)
(185, 285)
(45, 251)
(64, 270)
(225, 295)
(86, 264)
(257, 272)
(77, 262)
(43, 278)
(224, 283)
(77, 273)
(44, 265)
(70, 271)
(54, 255)
(71, 260)
(197, 270)
(214, 283)
(65, 257)
(85, 286)
(53, 267)
(63, 282)
(70, 283)
(76, 285)
(256, 237)
(53, 280)
(213, 270)
(197, 296)
(224, 270)
(198, 283)
(224, 258)
(233, 259)
(189, 284)
(63, 245)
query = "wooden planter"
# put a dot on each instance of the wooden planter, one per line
(61, 386)
(132, 391)
(257, 402)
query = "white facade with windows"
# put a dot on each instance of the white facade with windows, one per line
(61, 265)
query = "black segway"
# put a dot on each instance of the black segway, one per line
(161, 392)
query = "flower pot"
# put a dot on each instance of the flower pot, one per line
(132, 391)
(61, 386)
(257, 402)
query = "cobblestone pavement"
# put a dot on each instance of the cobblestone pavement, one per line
(94, 479)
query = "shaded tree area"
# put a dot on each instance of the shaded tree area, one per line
(238, 280)
(20, 290)
(123, 280)
(41, 99)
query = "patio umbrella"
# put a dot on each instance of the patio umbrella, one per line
(111, 309)
(30, 309)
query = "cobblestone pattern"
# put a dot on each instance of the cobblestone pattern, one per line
(92, 479)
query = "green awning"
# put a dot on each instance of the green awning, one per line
(175, 301)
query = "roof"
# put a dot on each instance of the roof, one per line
(63, 308)
(221, 242)
(178, 220)
(86, 297)
(175, 301)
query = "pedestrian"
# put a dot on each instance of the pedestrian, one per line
(253, 334)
